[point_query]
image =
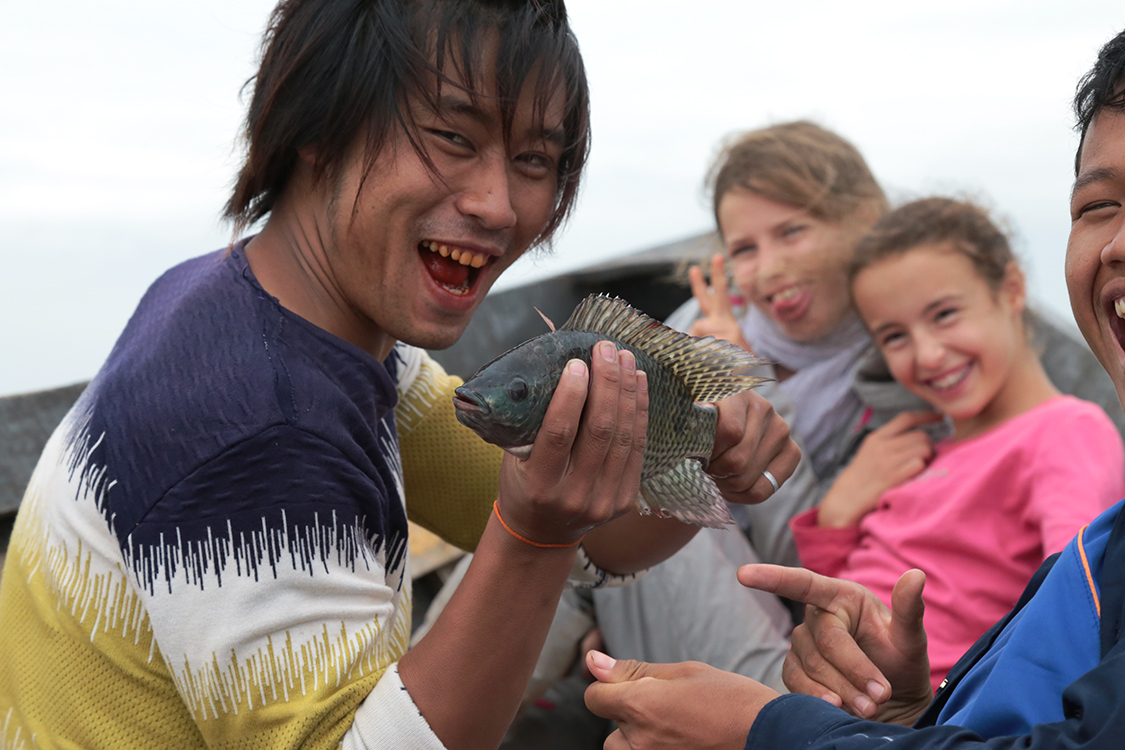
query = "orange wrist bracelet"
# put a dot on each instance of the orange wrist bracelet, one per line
(496, 508)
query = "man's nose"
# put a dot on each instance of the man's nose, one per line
(1114, 251)
(487, 196)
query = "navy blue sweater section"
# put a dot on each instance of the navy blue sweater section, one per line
(225, 430)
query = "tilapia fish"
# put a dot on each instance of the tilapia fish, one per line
(506, 400)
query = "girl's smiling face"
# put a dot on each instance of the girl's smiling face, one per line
(946, 334)
(791, 265)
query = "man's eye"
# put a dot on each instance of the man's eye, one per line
(449, 135)
(746, 251)
(1095, 206)
(536, 163)
(794, 230)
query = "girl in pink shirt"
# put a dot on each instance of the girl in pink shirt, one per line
(936, 284)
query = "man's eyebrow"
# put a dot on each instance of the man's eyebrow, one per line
(1101, 174)
(459, 105)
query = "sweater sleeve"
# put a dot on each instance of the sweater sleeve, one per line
(822, 550)
(276, 587)
(1094, 706)
(1078, 472)
(450, 475)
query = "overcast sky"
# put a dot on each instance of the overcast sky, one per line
(117, 125)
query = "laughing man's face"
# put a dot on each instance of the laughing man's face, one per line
(1095, 255)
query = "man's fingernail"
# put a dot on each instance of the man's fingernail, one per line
(875, 690)
(642, 380)
(608, 351)
(602, 661)
(864, 706)
(577, 367)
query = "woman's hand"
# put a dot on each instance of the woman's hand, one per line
(851, 650)
(889, 456)
(718, 313)
(585, 465)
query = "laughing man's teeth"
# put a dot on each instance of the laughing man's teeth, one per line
(787, 294)
(464, 257)
(1119, 307)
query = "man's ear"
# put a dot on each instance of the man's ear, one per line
(308, 155)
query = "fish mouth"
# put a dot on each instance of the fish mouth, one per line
(469, 403)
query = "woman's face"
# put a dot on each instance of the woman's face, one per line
(789, 264)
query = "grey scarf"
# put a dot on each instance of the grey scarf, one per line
(821, 385)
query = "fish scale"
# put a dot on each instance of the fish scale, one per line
(506, 400)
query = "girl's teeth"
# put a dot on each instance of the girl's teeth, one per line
(1119, 307)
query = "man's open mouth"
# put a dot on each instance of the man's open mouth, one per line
(453, 268)
(1116, 315)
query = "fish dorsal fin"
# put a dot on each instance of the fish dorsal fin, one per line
(708, 366)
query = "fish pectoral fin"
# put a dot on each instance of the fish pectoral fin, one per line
(687, 494)
(520, 451)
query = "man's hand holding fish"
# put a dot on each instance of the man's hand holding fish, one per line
(581, 457)
(581, 472)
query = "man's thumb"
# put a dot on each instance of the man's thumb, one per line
(907, 609)
(607, 669)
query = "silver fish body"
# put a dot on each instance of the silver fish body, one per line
(506, 400)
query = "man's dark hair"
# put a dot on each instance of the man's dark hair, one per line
(333, 70)
(1101, 88)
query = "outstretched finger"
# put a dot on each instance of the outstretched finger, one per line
(700, 291)
(798, 584)
(720, 287)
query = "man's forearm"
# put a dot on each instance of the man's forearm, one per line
(634, 542)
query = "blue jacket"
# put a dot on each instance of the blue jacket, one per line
(1048, 675)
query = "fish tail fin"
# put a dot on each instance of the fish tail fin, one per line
(711, 368)
(687, 494)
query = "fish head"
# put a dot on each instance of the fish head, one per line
(506, 401)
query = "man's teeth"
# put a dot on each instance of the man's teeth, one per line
(787, 294)
(464, 257)
(1119, 307)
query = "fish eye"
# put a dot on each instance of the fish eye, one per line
(518, 390)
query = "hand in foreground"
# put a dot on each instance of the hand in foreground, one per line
(718, 313)
(750, 439)
(851, 650)
(585, 465)
(674, 705)
(889, 456)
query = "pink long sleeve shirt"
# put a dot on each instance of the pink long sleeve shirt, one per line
(979, 520)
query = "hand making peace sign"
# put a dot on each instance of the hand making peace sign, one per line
(718, 314)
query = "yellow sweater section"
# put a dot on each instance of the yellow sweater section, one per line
(450, 475)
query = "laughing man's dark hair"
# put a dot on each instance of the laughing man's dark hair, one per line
(333, 70)
(1101, 88)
